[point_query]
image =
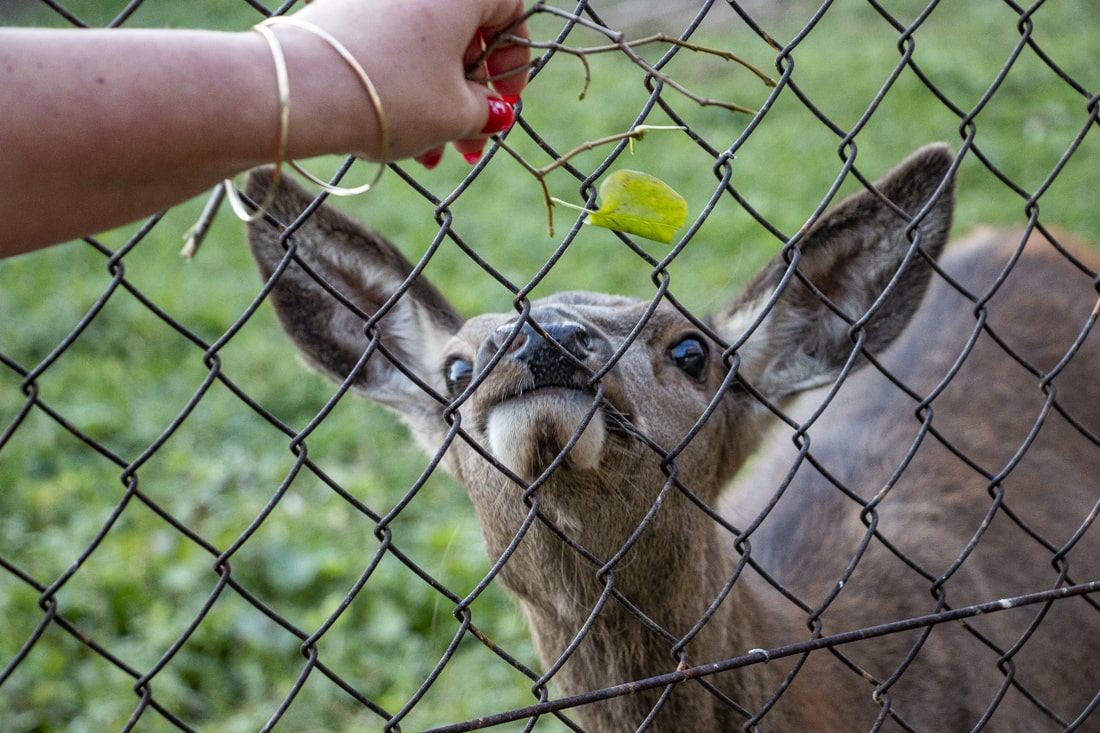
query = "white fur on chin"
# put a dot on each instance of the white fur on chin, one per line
(527, 432)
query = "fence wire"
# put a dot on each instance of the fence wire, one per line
(196, 534)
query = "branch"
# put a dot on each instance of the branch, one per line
(636, 133)
(618, 43)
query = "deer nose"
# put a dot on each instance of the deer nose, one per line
(529, 343)
(546, 361)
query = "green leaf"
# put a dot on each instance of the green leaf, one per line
(640, 204)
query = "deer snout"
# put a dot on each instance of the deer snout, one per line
(559, 362)
(551, 408)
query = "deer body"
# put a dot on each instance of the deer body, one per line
(609, 447)
(939, 502)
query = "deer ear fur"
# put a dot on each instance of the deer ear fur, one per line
(868, 244)
(328, 276)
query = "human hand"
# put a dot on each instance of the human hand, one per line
(417, 53)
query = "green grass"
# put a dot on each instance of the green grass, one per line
(130, 374)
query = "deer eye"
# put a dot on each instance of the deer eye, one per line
(458, 373)
(690, 356)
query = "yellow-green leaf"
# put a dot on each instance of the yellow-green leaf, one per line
(640, 204)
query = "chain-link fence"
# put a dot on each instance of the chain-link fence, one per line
(198, 534)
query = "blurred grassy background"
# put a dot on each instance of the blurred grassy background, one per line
(130, 374)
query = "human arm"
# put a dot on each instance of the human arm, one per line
(113, 125)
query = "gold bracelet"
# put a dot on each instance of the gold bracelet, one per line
(283, 84)
(372, 94)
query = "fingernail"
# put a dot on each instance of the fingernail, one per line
(501, 116)
(511, 99)
(430, 159)
(472, 158)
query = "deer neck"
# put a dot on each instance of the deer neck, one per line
(570, 573)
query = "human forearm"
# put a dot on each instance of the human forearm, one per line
(100, 127)
(94, 140)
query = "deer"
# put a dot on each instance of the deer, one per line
(877, 427)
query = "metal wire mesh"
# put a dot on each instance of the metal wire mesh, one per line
(197, 535)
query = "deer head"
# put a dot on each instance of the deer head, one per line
(615, 421)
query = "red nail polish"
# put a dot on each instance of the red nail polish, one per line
(430, 159)
(511, 99)
(501, 116)
(472, 158)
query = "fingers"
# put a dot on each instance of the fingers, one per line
(431, 158)
(509, 58)
(501, 116)
(505, 66)
(506, 57)
(500, 112)
(498, 15)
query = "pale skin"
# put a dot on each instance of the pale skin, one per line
(114, 125)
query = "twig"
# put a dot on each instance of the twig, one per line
(197, 233)
(618, 43)
(647, 40)
(636, 133)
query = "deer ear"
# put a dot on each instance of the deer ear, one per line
(851, 255)
(328, 276)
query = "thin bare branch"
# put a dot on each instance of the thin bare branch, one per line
(636, 133)
(620, 44)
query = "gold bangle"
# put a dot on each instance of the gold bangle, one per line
(368, 86)
(282, 81)
(283, 84)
